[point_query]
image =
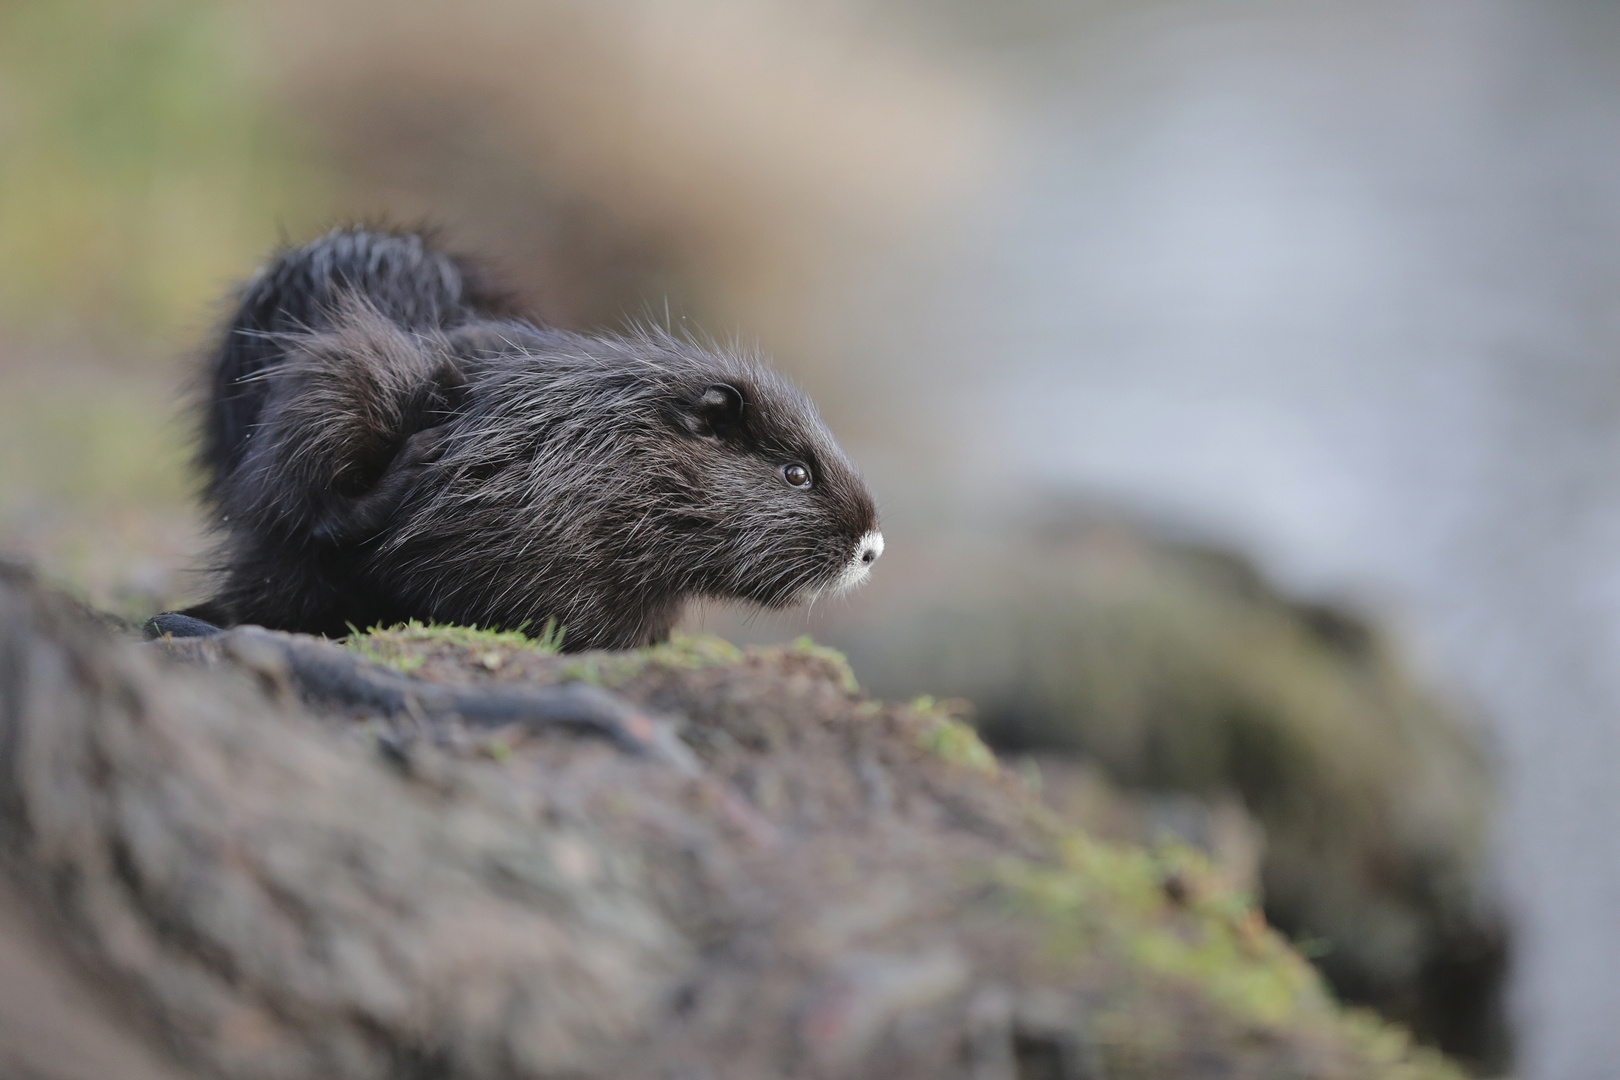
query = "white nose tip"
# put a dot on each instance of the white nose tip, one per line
(859, 567)
(870, 547)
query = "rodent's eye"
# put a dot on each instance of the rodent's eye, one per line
(796, 475)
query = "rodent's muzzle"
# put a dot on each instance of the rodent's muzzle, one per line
(855, 572)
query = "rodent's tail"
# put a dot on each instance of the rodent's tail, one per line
(298, 291)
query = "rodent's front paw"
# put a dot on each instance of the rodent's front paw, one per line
(423, 448)
(354, 516)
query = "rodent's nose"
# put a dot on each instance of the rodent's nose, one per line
(870, 547)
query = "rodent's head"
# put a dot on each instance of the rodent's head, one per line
(607, 478)
(782, 513)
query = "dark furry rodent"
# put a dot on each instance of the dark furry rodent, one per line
(382, 440)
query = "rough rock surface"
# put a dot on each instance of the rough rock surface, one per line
(202, 877)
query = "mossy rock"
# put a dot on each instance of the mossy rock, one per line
(913, 878)
(1177, 669)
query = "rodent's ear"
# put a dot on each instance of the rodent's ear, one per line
(716, 414)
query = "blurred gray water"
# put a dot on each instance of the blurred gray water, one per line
(1338, 283)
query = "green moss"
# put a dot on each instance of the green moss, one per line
(837, 661)
(404, 647)
(405, 663)
(947, 736)
(692, 652)
(1391, 1049)
(1112, 897)
(1163, 916)
(687, 652)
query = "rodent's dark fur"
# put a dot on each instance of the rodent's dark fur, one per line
(382, 440)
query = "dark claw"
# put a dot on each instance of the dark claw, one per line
(174, 624)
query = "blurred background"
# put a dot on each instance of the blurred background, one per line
(1240, 382)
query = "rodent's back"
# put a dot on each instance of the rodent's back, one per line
(299, 292)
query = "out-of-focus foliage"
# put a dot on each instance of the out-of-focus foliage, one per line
(142, 165)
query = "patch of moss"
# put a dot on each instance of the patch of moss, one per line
(404, 647)
(805, 646)
(692, 652)
(687, 652)
(1390, 1048)
(1165, 915)
(946, 735)
(406, 662)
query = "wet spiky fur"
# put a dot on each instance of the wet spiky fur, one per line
(381, 442)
